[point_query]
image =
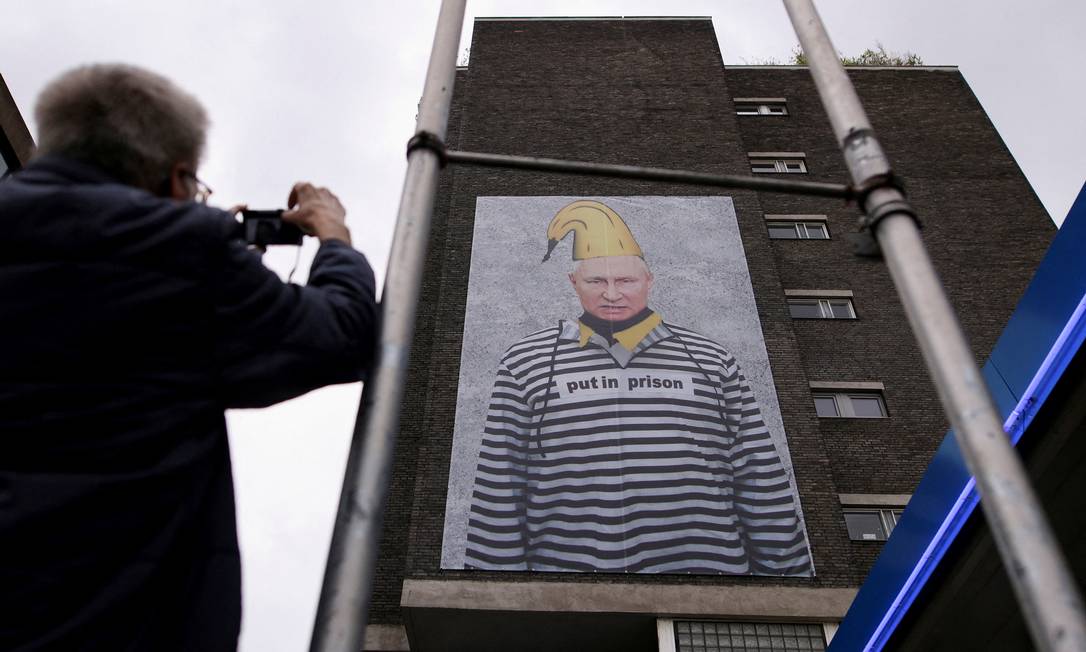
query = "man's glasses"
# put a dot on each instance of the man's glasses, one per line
(203, 191)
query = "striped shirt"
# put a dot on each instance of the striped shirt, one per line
(599, 458)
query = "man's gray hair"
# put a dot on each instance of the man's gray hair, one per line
(132, 123)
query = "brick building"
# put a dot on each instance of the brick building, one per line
(862, 418)
(15, 141)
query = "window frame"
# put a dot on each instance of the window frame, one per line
(761, 106)
(780, 635)
(801, 226)
(888, 517)
(780, 165)
(800, 229)
(825, 306)
(842, 399)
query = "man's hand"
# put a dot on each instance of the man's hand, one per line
(234, 211)
(317, 212)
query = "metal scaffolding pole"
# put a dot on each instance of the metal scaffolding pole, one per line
(343, 610)
(1043, 583)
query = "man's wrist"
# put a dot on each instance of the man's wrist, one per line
(333, 232)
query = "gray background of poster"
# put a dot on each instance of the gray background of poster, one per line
(693, 247)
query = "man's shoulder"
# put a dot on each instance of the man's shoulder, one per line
(693, 338)
(148, 231)
(184, 218)
(68, 188)
(540, 342)
(58, 218)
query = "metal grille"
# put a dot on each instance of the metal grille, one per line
(708, 636)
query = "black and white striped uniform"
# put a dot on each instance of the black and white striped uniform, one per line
(596, 458)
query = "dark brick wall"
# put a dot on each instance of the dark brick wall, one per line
(984, 227)
(655, 93)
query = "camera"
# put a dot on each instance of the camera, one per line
(266, 228)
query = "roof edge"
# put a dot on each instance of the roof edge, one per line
(775, 67)
(487, 19)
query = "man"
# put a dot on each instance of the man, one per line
(619, 442)
(133, 317)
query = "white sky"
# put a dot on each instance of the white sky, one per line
(327, 92)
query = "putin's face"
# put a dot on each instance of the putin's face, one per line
(612, 288)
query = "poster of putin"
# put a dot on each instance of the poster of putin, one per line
(616, 411)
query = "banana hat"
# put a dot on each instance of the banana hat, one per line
(598, 231)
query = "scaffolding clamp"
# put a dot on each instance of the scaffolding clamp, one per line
(427, 140)
(864, 241)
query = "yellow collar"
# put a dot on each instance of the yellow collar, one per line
(630, 337)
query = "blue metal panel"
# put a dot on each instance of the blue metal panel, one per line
(1042, 335)
(1005, 398)
(1055, 290)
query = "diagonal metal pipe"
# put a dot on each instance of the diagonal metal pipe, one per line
(1042, 581)
(343, 610)
(666, 175)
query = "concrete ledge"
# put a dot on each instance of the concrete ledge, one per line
(875, 500)
(796, 218)
(800, 603)
(820, 294)
(859, 384)
(776, 155)
(385, 638)
(760, 100)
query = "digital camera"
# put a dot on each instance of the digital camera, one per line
(267, 228)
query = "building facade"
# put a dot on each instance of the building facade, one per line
(844, 393)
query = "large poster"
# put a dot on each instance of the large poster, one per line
(616, 410)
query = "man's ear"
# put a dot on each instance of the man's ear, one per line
(179, 187)
(572, 279)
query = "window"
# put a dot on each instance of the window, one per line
(870, 524)
(789, 230)
(760, 105)
(781, 164)
(820, 304)
(821, 308)
(761, 108)
(856, 405)
(709, 636)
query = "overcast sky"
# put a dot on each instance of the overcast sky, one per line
(327, 91)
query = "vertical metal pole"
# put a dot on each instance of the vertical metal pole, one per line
(1037, 569)
(343, 610)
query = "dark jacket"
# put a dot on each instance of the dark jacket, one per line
(129, 323)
